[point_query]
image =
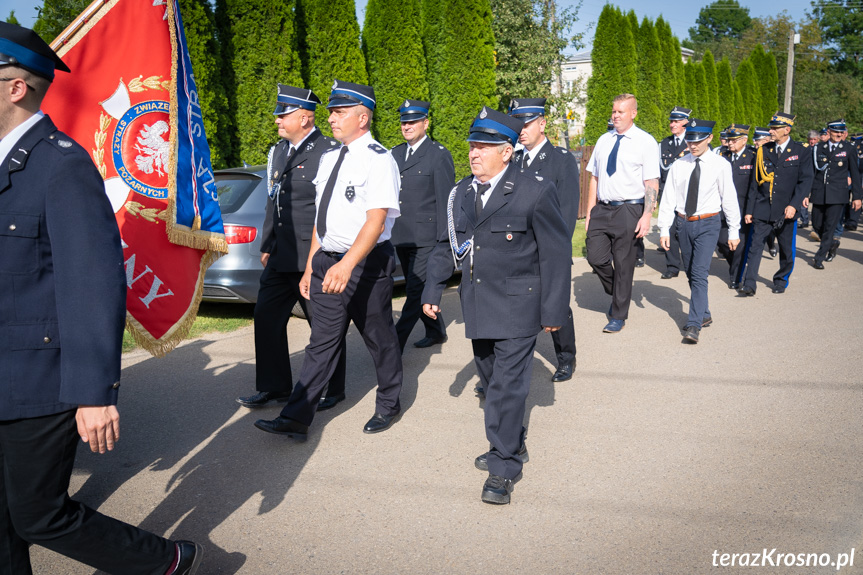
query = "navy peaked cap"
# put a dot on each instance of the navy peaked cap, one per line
(494, 127)
(24, 48)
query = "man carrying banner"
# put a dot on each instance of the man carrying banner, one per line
(62, 312)
(349, 275)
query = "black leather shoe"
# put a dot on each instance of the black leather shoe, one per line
(746, 291)
(803, 226)
(379, 423)
(262, 398)
(690, 334)
(639, 263)
(189, 557)
(429, 341)
(734, 285)
(778, 289)
(481, 462)
(773, 252)
(818, 266)
(496, 490)
(330, 402)
(851, 226)
(668, 275)
(831, 254)
(478, 389)
(706, 321)
(284, 426)
(564, 372)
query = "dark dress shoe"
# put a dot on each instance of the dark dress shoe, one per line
(284, 426)
(667, 275)
(563, 373)
(690, 334)
(330, 402)
(773, 252)
(496, 490)
(803, 226)
(262, 398)
(746, 291)
(639, 263)
(818, 266)
(778, 289)
(481, 462)
(831, 254)
(851, 226)
(379, 423)
(478, 389)
(429, 341)
(706, 321)
(189, 557)
(734, 285)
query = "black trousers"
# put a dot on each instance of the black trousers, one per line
(504, 367)
(277, 295)
(564, 342)
(825, 217)
(36, 460)
(738, 260)
(673, 261)
(852, 216)
(367, 300)
(414, 261)
(611, 251)
(786, 237)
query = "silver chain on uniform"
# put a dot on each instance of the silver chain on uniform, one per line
(459, 252)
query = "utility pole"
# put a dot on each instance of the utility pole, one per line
(552, 11)
(789, 69)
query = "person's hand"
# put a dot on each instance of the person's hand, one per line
(98, 425)
(305, 282)
(733, 244)
(643, 226)
(431, 310)
(790, 212)
(264, 259)
(586, 221)
(747, 218)
(856, 204)
(665, 242)
(549, 329)
(337, 278)
(805, 202)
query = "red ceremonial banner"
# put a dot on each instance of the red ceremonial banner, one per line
(120, 101)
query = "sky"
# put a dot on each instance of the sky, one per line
(679, 13)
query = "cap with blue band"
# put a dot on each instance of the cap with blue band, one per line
(697, 130)
(491, 126)
(413, 110)
(527, 109)
(24, 48)
(837, 126)
(290, 99)
(346, 94)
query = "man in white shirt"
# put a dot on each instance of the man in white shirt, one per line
(698, 188)
(351, 261)
(623, 188)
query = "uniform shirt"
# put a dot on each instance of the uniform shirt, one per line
(374, 176)
(414, 147)
(487, 195)
(716, 192)
(7, 143)
(530, 155)
(637, 161)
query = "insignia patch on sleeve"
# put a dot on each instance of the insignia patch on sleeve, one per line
(375, 147)
(64, 143)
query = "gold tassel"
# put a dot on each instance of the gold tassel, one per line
(761, 173)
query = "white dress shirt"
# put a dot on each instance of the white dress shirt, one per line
(637, 161)
(493, 181)
(7, 143)
(413, 149)
(716, 192)
(375, 180)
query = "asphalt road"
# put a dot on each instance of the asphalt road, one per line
(657, 457)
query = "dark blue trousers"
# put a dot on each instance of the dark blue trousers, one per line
(697, 242)
(738, 260)
(786, 237)
(504, 367)
(414, 261)
(673, 262)
(825, 220)
(367, 300)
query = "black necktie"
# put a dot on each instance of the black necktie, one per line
(612, 157)
(523, 158)
(676, 142)
(480, 190)
(735, 158)
(692, 194)
(410, 152)
(328, 194)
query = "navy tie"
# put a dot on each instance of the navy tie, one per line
(612, 157)
(328, 194)
(480, 190)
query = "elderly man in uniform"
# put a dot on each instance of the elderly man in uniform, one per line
(836, 175)
(624, 184)
(670, 149)
(507, 228)
(427, 176)
(286, 238)
(762, 136)
(557, 165)
(62, 313)
(784, 172)
(349, 275)
(742, 159)
(700, 186)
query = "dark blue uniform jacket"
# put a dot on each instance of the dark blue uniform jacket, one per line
(793, 174)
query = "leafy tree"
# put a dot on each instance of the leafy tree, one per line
(650, 90)
(720, 19)
(725, 82)
(841, 23)
(330, 45)
(461, 73)
(711, 91)
(605, 80)
(11, 19)
(55, 15)
(396, 62)
(199, 24)
(262, 47)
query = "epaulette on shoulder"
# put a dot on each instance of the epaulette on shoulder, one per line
(377, 148)
(464, 179)
(62, 142)
(538, 177)
(334, 143)
(563, 150)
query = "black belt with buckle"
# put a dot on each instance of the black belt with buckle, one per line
(335, 255)
(639, 201)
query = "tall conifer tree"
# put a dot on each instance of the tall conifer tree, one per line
(739, 107)
(396, 62)
(461, 70)
(604, 82)
(750, 90)
(627, 53)
(725, 81)
(330, 44)
(262, 47)
(691, 88)
(650, 86)
(680, 76)
(711, 92)
(768, 81)
(670, 80)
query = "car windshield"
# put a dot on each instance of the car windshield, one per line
(233, 189)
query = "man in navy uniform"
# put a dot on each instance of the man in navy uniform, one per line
(742, 158)
(670, 149)
(285, 241)
(349, 274)
(508, 232)
(62, 313)
(427, 176)
(837, 173)
(700, 187)
(557, 165)
(784, 172)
